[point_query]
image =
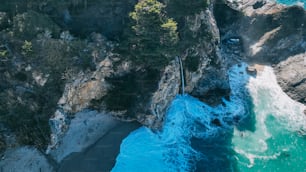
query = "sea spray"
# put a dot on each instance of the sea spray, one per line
(277, 144)
(278, 103)
(272, 141)
(170, 149)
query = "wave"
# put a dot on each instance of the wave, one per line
(187, 118)
(243, 119)
(278, 120)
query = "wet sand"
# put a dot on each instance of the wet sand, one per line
(101, 156)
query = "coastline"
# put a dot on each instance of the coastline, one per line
(100, 156)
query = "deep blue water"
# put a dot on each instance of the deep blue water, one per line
(259, 129)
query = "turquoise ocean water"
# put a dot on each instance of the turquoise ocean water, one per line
(292, 2)
(259, 129)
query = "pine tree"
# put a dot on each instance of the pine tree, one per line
(154, 34)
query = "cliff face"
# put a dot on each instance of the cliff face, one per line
(209, 82)
(130, 92)
(266, 33)
(48, 76)
(291, 75)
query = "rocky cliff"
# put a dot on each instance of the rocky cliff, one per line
(53, 67)
(266, 33)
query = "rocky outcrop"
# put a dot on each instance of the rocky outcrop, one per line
(84, 88)
(50, 73)
(209, 82)
(268, 34)
(291, 76)
(264, 32)
(45, 71)
(168, 88)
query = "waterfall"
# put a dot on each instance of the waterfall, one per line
(182, 75)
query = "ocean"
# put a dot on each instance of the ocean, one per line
(293, 2)
(259, 129)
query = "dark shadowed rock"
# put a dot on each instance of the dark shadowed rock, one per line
(106, 17)
(3, 20)
(251, 70)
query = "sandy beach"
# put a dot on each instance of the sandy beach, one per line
(101, 156)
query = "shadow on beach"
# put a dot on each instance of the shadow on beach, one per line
(101, 156)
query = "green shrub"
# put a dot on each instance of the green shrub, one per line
(26, 48)
(153, 36)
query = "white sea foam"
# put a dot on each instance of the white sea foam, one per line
(170, 149)
(268, 99)
(251, 157)
(277, 103)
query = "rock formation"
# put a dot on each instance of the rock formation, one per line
(48, 75)
(266, 33)
(291, 75)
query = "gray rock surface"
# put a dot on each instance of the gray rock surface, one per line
(86, 87)
(168, 88)
(291, 76)
(209, 82)
(269, 34)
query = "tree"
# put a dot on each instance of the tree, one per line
(154, 35)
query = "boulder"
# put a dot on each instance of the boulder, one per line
(251, 70)
(291, 76)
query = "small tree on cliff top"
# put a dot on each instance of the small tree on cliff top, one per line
(154, 34)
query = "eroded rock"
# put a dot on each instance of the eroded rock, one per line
(209, 82)
(271, 34)
(291, 76)
(168, 88)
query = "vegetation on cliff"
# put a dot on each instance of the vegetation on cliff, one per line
(152, 36)
(38, 55)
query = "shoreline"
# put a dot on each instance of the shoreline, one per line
(101, 156)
